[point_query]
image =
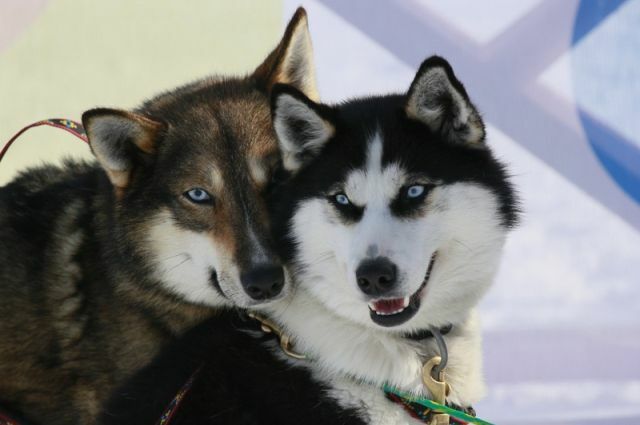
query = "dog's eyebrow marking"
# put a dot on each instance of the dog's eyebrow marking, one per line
(360, 183)
(374, 154)
(375, 183)
(216, 179)
(258, 170)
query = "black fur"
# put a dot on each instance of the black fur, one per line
(83, 304)
(406, 141)
(241, 382)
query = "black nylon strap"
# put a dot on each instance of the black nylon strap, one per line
(426, 333)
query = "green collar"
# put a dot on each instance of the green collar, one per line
(418, 407)
(421, 408)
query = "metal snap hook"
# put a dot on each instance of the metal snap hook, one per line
(436, 385)
(269, 326)
(434, 379)
(442, 348)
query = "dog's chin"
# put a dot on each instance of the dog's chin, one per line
(393, 312)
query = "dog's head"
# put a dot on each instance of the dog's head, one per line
(189, 169)
(396, 211)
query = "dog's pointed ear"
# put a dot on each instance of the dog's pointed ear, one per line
(437, 99)
(119, 140)
(302, 126)
(291, 62)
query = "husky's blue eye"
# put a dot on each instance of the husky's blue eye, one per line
(342, 199)
(346, 209)
(415, 191)
(198, 196)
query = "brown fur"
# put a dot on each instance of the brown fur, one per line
(82, 302)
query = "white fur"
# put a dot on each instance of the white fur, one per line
(406, 243)
(468, 245)
(289, 108)
(259, 171)
(184, 260)
(107, 133)
(329, 316)
(355, 361)
(433, 84)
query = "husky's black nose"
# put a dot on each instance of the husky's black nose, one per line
(264, 281)
(376, 276)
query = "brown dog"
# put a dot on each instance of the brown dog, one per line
(103, 263)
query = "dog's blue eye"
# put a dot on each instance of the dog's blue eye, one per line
(347, 210)
(415, 191)
(198, 195)
(342, 199)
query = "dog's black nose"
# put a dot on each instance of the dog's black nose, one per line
(264, 281)
(376, 276)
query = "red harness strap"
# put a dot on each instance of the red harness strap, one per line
(419, 412)
(72, 127)
(7, 420)
(173, 405)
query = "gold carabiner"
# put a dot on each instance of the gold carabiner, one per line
(287, 347)
(269, 326)
(438, 388)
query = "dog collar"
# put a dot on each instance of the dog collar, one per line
(72, 127)
(424, 409)
(174, 404)
(420, 408)
(423, 334)
(270, 327)
(434, 410)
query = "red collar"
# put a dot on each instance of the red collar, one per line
(5, 419)
(72, 127)
(174, 404)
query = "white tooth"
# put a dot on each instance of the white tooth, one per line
(405, 302)
(372, 306)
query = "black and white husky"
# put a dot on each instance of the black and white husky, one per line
(392, 220)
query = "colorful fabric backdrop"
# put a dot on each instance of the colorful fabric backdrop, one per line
(557, 81)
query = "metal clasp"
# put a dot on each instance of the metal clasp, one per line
(269, 326)
(433, 378)
(438, 388)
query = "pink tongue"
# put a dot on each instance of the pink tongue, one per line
(388, 306)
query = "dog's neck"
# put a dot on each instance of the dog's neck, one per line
(169, 313)
(340, 348)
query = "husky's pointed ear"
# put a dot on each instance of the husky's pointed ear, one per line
(291, 62)
(439, 100)
(302, 126)
(119, 140)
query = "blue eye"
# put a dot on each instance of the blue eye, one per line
(342, 199)
(198, 196)
(415, 191)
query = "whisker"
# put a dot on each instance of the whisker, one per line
(179, 264)
(174, 256)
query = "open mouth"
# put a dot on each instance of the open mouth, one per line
(396, 311)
